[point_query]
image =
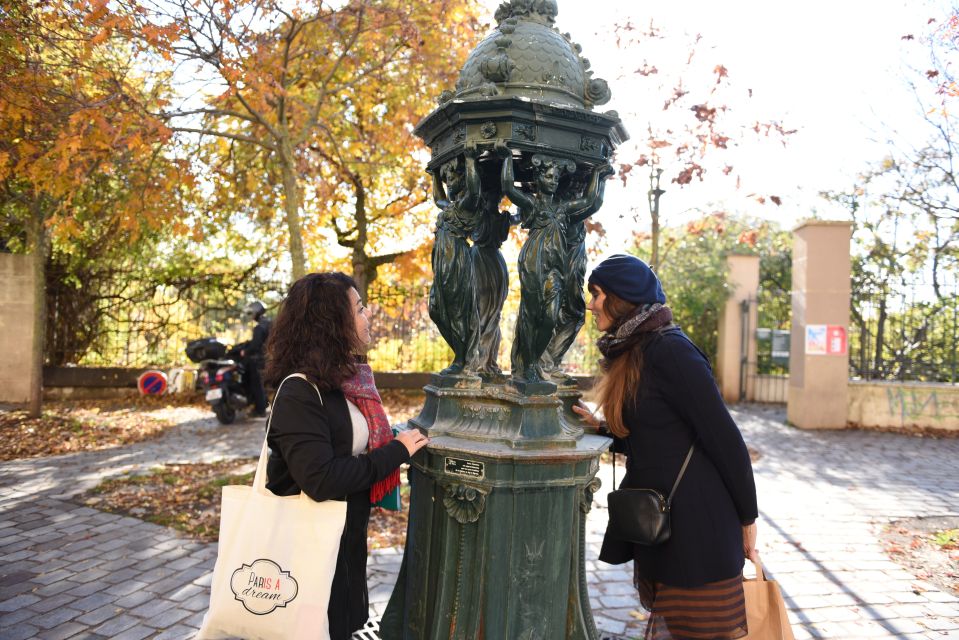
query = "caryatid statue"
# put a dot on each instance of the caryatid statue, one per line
(572, 312)
(543, 267)
(496, 545)
(526, 88)
(492, 281)
(452, 303)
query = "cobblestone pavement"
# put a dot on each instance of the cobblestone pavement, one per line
(68, 571)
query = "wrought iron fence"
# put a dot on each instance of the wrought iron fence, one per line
(155, 335)
(765, 374)
(405, 338)
(907, 331)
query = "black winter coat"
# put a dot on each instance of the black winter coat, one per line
(311, 451)
(678, 402)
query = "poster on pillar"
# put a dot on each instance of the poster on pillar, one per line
(826, 340)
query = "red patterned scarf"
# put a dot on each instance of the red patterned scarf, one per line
(361, 391)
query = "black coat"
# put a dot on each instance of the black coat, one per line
(311, 451)
(255, 348)
(678, 402)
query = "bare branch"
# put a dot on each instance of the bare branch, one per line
(224, 134)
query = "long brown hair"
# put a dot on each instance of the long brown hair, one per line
(314, 333)
(619, 381)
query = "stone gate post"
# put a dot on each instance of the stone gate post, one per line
(819, 355)
(743, 282)
(16, 327)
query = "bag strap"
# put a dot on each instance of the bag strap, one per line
(259, 478)
(682, 472)
(760, 571)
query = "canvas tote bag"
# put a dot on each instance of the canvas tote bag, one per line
(275, 562)
(765, 610)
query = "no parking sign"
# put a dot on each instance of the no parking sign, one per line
(151, 383)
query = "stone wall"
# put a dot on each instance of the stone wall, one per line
(908, 405)
(16, 327)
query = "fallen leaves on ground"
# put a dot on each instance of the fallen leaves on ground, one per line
(68, 427)
(187, 498)
(183, 496)
(929, 547)
(401, 404)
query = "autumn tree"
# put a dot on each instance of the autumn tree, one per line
(76, 142)
(904, 235)
(905, 213)
(308, 99)
(694, 274)
(692, 126)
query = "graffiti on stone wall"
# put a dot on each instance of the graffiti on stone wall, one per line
(908, 403)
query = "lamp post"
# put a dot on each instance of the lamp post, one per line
(653, 195)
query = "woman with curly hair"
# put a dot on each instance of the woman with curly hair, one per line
(662, 407)
(329, 436)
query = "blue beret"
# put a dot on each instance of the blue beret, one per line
(629, 278)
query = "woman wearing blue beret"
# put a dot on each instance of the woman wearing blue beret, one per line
(660, 403)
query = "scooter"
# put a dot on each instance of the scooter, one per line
(220, 377)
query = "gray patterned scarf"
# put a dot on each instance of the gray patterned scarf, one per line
(646, 319)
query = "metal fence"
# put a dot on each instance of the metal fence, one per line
(154, 335)
(765, 375)
(405, 339)
(906, 331)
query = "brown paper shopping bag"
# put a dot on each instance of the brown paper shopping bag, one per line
(765, 610)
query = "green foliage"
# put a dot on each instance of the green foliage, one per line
(948, 539)
(693, 271)
(905, 246)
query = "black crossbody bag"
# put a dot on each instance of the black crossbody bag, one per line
(641, 516)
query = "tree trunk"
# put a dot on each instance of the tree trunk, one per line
(37, 248)
(291, 206)
(363, 273)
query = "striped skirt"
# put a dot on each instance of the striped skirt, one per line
(714, 611)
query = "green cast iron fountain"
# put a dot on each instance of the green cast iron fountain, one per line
(498, 503)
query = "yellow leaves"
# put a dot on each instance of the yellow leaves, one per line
(134, 142)
(252, 182)
(65, 227)
(180, 228)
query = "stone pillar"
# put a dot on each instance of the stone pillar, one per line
(819, 362)
(743, 282)
(16, 327)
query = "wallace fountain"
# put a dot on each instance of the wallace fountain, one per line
(498, 501)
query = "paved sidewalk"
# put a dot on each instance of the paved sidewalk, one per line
(73, 572)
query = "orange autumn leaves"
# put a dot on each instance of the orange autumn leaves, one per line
(75, 112)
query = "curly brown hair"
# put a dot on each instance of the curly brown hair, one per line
(314, 333)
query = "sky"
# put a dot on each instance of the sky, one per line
(837, 71)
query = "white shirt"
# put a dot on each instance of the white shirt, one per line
(361, 430)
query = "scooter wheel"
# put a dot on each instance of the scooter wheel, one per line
(224, 413)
